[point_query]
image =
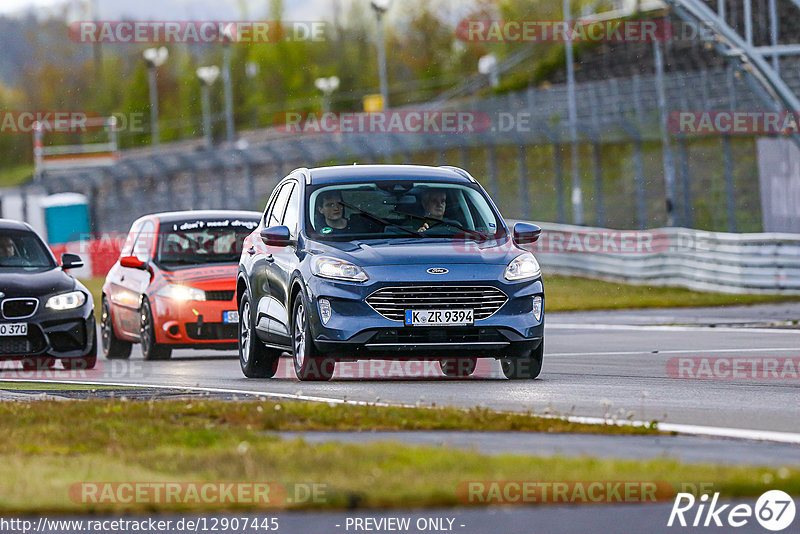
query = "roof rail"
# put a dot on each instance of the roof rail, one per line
(460, 171)
(303, 171)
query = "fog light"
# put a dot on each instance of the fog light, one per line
(325, 310)
(537, 308)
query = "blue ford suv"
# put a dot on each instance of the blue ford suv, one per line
(388, 262)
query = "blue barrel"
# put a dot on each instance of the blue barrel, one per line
(66, 217)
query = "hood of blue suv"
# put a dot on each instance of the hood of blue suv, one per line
(421, 251)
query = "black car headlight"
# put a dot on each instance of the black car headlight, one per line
(66, 301)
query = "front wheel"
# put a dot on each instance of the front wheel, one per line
(147, 336)
(113, 347)
(308, 364)
(256, 360)
(524, 367)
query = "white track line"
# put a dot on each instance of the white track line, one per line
(671, 328)
(681, 351)
(695, 430)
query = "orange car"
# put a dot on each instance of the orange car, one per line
(174, 285)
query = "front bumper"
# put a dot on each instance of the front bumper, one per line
(355, 330)
(60, 334)
(187, 324)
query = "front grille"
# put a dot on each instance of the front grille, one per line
(15, 346)
(211, 331)
(220, 295)
(392, 302)
(19, 308)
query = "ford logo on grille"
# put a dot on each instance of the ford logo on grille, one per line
(438, 270)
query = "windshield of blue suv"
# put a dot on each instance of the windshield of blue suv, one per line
(388, 209)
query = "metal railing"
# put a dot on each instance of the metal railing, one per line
(710, 261)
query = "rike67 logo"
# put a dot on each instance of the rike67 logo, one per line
(774, 510)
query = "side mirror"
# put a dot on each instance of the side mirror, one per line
(71, 261)
(526, 233)
(276, 236)
(132, 262)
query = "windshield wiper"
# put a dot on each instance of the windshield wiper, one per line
(380, 220)
(481, 235)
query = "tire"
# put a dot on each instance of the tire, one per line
(113, 347)
(42, 363)
(458, 367)
(308, 363)
(147, 335)
(524, 367)
(82, 363)
(256, 360)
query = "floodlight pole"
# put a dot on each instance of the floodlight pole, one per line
(577, 193)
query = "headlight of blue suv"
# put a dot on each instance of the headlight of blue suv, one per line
(179, 292)
(523, 267)
(326, 267)
(66, 301)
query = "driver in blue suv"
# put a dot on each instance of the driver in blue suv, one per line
(423, 268)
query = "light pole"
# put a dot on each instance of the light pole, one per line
(381, 7)
(327, 86)
(207, 75)
(577, 192)
(155, 57)
(228, 37)
(487, 65)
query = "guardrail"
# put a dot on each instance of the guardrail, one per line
(711, 261)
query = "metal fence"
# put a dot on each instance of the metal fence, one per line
(524, 168)
(710, 261)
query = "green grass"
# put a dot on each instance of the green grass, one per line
(569, 293)
(51, 447)
(95, 287)
(13, 176)
(148, 418)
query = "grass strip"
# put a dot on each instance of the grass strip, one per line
(569, 293)
(53, 450)
(91, 422)
(53, 446)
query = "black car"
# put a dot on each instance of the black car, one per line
(389, 262)
(45, 314)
